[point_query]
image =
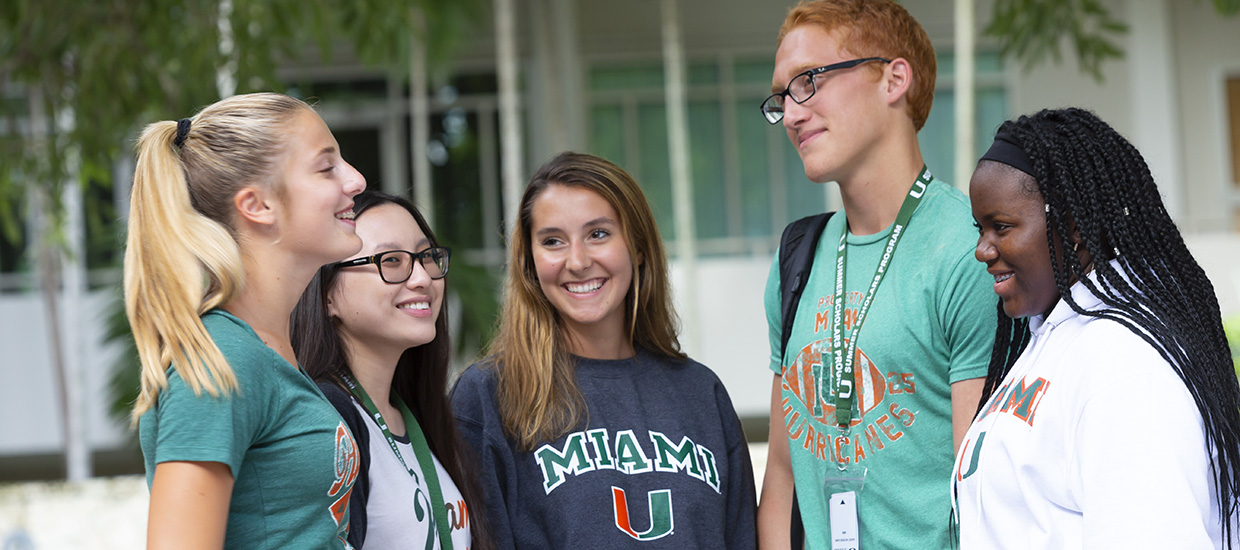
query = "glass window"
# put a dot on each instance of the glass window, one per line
(740, 198)
(938, 136)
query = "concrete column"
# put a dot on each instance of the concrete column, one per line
(392, 144)
(564, 27)
(682, 177)
(509, 115)
(1152, 81)
(420, 122)
(226, 74)
(966, 106)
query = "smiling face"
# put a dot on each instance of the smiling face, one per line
(1011, 216)
(317, 192)
(834, 130)
(582, 260)
(378, 317)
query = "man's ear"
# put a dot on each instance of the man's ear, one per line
(255, 206)
(897, 79)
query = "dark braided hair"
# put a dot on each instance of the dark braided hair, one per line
(1096, 185)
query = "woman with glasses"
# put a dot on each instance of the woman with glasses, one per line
(373, 331)
(593, 429)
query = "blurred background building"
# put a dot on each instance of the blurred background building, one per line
(669, 90)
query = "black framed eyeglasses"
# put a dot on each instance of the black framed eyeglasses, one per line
(396, 266)
(803, 86)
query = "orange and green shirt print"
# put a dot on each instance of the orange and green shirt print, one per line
(931, 324)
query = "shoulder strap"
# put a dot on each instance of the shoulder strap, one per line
(342, 401)
(796, 260)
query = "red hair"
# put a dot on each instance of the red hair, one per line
(880, 28)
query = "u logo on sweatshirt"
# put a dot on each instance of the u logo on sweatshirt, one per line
(661, 521)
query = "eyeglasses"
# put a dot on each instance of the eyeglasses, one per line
(396, 266)
(803, 86)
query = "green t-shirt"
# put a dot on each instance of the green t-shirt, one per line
(293, 461)
(931, 324)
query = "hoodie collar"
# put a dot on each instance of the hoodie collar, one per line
(1039, 324)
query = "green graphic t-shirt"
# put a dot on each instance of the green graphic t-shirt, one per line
(293, 461)
(931, 324)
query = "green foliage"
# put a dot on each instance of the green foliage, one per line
(475, 285)
(1232, 328)
(1031, 31)
(124, 381)
(79, 79)
(1227, 7)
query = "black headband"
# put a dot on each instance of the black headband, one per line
(1007, 151)
(182, 131)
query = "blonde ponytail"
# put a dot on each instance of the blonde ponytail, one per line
(182, 257)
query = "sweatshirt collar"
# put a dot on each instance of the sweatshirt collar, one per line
(1040, 324)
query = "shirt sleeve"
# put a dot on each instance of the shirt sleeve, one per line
(969, 316)
(206, 428)
(774, 317)
(477, 419)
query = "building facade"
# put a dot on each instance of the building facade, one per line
(592, 78)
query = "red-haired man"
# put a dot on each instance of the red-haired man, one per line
(888, 384)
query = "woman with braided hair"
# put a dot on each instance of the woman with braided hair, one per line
(1110, 417)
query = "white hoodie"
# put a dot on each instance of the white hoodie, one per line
(1091, 441)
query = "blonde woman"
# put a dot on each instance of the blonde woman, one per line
(592, 428)
(232, 212)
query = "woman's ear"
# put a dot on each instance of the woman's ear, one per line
(332, 313)
(255, 206)
(1081, 252)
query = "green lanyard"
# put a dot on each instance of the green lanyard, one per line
(842, 355)
(439, 516)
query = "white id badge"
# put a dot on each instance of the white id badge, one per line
(842, 486)
(845, 534)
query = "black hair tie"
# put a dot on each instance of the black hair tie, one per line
(182, 131)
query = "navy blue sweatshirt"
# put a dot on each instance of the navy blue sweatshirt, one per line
(661, 462)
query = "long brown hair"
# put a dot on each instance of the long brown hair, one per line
(538, 396)
(181, 254)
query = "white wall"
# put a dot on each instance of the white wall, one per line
(1059, 85)
(730, 327)
(1207, 48)
(1217, 253)
(31, 407)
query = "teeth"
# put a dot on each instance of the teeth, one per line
(581, 288)
(415, 305)
(346, 215)
(1004, 277)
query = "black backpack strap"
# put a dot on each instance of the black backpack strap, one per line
(796, 260)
